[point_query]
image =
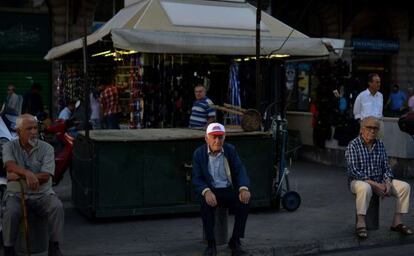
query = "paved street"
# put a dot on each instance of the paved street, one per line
(141, 72)
(400, 250)
(323, 223)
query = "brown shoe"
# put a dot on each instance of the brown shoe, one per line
(54, 249)
(402, 229)
(361, 232)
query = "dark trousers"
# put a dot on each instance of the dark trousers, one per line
(112, 121)
(226, 198)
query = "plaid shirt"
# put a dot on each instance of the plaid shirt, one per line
(366, 164)
(109, 100)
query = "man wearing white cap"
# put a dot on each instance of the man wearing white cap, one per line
(220, 179)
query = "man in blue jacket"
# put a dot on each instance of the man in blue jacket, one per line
(220, 179)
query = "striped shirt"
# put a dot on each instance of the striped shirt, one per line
(109, 101)
(201, 112)
(367, 164)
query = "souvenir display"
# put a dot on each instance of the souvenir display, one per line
(160, 84)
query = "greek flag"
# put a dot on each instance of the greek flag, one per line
(234, 88)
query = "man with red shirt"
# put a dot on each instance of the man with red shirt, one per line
(110, 106)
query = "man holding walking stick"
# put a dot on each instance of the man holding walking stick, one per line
(30, 161)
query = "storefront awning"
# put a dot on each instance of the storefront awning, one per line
(182, 42)
(198, 27)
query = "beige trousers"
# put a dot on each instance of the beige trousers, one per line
(399, 189)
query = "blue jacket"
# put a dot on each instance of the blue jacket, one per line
(202, 179)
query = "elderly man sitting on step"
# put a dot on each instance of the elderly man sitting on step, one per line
(369, 172)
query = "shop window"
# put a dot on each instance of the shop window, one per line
(298, 80)
(322, 82)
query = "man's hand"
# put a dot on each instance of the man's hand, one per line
(378, 188)
(31, 180)
(11, 176)
(387, 188)
(210, 198)
(244, 196)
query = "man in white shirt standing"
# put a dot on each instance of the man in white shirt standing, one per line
(370, 102)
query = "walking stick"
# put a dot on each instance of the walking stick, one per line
(25, 220)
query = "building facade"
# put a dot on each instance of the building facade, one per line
(379, 36)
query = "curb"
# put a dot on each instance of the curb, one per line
(312, 247)
(337, 244)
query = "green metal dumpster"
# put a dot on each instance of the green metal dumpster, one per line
(119, 173)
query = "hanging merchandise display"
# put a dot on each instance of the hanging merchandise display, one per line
(136, 104)
(234, 92)
(154, 90)
(69, 84)
(60, 86)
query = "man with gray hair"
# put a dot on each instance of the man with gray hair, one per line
(369, 172)
(32, 160)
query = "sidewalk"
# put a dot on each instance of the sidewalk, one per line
(324, 222)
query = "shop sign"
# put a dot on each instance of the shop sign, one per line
(376, 45)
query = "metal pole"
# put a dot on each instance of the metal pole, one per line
(258, 74)
(85, 76)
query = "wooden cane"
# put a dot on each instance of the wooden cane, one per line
(25, 219)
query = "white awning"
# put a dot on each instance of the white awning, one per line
(182, 42)
(197, 27)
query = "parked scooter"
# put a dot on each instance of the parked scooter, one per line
(63, 146)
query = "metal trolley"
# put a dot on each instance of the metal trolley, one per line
(289, 199)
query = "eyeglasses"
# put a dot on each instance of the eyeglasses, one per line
(372, 128)
(214, 137)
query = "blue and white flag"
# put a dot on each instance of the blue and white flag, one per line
(234, 88)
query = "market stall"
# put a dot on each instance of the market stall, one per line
(148, 171)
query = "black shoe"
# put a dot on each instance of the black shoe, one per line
(9, 251)
(210, 251)
(54, 249)
(235, 247)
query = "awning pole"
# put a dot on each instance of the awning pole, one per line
(258, 74)
(85, 76)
